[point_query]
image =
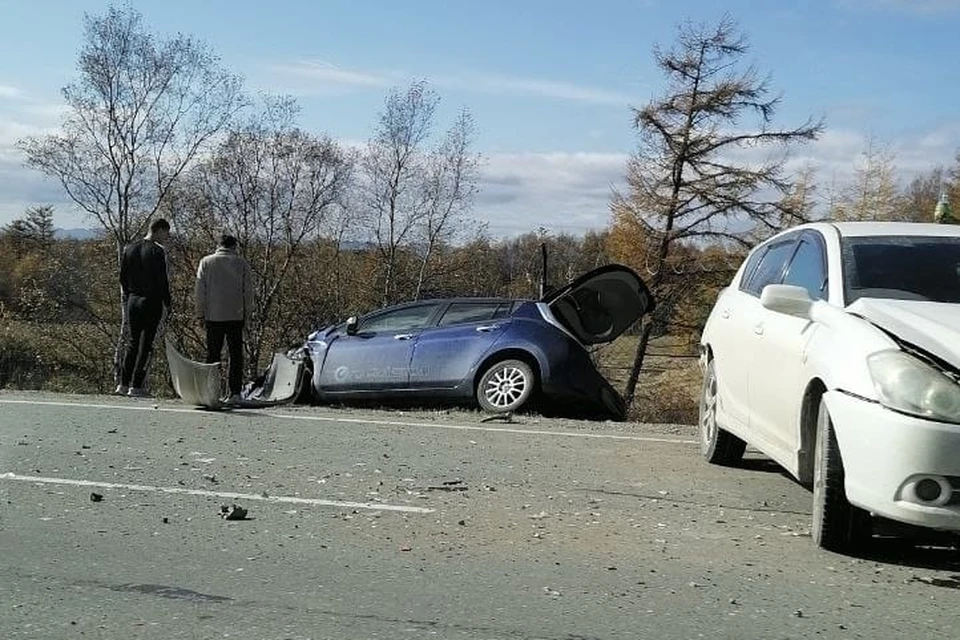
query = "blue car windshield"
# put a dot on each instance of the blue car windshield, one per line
(902, 268)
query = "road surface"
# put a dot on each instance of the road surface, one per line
(419, 524)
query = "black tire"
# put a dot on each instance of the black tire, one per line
(837, 525)
(505, 386)
(717, 445)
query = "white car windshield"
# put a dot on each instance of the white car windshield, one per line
(902, 268)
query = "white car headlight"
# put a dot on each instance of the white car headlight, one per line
(907, 384)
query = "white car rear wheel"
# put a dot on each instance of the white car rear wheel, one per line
(717, 445)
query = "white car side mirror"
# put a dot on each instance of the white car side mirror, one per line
(788, 299)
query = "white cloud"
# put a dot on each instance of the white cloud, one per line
(20, 186)
(570, 192)
(8, 92)
(562, 192)
(498, 84)
(317, 76)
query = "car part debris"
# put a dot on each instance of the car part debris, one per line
(96, 497)
(196, 383)
(280, 383)
(233, 512)
(449, 485)
(499, 417)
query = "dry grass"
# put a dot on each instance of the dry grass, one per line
(64, 357)
(75, 358)
(668, 390)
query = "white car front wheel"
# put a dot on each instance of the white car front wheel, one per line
(837, 525)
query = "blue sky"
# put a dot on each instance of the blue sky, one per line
(550, 83)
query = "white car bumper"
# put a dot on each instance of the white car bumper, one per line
(891, 462)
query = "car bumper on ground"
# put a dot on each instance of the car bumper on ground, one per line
(897, 466)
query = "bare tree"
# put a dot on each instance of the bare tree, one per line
(449, 189)
(923, 193)
(874, 193)
(276, 188)
(140, 112)
(696, 175)
(411, 192)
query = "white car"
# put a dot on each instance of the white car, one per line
(835, 350)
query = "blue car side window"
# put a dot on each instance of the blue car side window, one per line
(400, 319)
(465, 312)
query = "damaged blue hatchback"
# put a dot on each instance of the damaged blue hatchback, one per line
(499, 353)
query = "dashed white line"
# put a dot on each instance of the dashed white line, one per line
(368, 422)
(228, 495)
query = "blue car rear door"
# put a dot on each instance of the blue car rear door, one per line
(377, 357)
(465, 333)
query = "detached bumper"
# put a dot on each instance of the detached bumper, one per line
(897, 466)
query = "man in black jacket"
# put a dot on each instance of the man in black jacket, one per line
(146, 295)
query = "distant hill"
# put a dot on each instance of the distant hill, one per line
(88, 234)
(76, 234)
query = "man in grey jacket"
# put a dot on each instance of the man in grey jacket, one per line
(224, 301)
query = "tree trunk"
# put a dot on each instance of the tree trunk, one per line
(638, 357)
(422, 275)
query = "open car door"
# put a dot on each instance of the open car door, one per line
(600, 305)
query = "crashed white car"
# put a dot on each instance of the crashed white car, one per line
(835, 350)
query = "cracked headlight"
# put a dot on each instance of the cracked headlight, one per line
(905, 383)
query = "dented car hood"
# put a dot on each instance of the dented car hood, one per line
(931, 326)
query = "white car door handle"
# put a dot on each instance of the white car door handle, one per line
(488, 327)
(403, 336)
(758, 329)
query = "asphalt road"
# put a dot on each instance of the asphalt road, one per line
(393, 525)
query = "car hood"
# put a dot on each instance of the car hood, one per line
(600, 305)
(932, 326)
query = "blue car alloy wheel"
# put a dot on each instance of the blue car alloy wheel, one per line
(505, 386)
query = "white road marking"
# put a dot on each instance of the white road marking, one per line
(229, 495)
(366, 421)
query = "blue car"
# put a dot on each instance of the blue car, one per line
(499, 353)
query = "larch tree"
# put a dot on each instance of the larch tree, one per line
(874, 193)
(701, 173)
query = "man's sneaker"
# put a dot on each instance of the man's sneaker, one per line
(121, 390)
(138, 392)
(235, 399)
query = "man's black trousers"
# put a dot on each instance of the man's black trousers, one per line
(233, 332)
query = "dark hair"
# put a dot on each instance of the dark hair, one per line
(227, 241)
(159, 225)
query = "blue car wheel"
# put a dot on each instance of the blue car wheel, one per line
(505, 386)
